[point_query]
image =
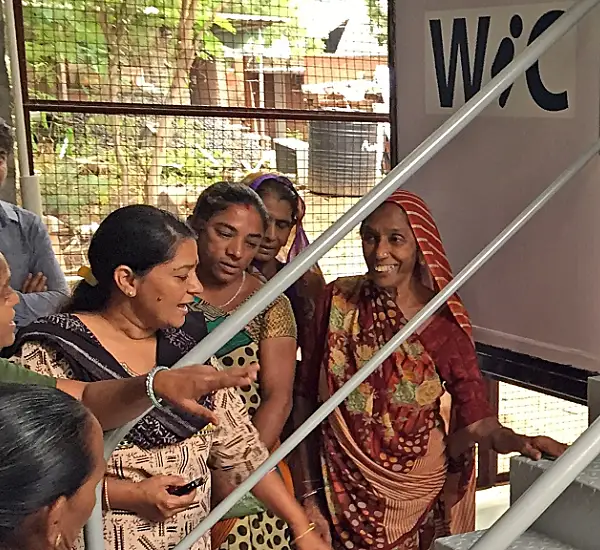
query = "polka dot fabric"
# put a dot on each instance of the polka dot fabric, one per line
(262, 531)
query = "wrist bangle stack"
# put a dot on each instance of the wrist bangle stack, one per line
(150, 386)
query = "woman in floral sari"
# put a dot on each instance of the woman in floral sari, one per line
(391, 475)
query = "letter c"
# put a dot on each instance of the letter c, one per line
(544, 98)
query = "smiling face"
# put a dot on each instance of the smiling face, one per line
(389, 246)
(280, 226)
(228, 242)
(163, 294)
(8, 300)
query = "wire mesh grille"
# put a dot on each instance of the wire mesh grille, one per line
(263, 55)
(284, 54)
(534, 413)
(92, 164)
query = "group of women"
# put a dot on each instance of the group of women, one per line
(392, 468)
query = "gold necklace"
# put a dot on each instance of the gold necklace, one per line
(223, 306)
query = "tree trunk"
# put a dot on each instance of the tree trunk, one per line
(114, 34)
(179, 94)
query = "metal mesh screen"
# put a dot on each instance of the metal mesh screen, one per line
(282, 54)
(152, 101)
(86, 173)
(534, 413)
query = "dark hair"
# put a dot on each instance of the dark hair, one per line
(222, 195)
(364, 222)
(7, 141)
(138, 236)
(44, 454)
(283, 192)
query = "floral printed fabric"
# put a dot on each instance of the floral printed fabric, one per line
(397, 399)
(384, 462)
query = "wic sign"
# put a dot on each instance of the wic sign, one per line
(465, 49)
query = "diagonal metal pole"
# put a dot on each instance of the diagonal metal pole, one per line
(409, 329)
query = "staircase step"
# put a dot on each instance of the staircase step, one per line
(573, 517)
(530, 540)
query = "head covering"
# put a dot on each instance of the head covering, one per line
(300, 241)
(430, 244)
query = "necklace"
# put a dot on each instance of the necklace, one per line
(129, 371)
(223, 306)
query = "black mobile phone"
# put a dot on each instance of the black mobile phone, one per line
(180, 490)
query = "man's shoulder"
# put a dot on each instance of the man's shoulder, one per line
(25, 218)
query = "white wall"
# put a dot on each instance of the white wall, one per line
(541, 294)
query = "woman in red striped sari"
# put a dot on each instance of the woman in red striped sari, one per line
(395, 469)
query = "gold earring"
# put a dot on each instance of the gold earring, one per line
(58, 540)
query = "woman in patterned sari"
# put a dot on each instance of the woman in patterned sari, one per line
(390, 475)
(284, 240)
(230, 220)
(130, 318)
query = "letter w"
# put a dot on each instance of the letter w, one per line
(446, 81)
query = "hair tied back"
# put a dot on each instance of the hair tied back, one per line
(86, 274)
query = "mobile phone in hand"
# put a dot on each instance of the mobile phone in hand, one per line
(180, 490)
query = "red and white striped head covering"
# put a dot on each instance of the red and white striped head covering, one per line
(430, 244)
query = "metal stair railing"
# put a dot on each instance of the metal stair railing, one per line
(293, 271)
(408, 330)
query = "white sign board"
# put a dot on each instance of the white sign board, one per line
(466, 48)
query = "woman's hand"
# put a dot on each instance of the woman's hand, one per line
(183, 387)
(152, 500)
(313, 511)
(505, 441)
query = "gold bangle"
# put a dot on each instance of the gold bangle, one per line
(105, 494)
(311, 528)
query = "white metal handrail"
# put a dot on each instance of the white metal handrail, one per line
(290, 273)
(543, 492)
(30, 184)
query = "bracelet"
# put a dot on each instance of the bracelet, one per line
(310, 481)
(105, 495)
(306, 496)
(214, 363)
(310, 529)
(150, 386)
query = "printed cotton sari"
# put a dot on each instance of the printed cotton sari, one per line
(389, 482)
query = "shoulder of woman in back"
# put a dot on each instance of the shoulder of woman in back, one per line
(255, 281)
(347, 285)
(312, 284)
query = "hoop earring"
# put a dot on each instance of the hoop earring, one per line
(58, 540)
